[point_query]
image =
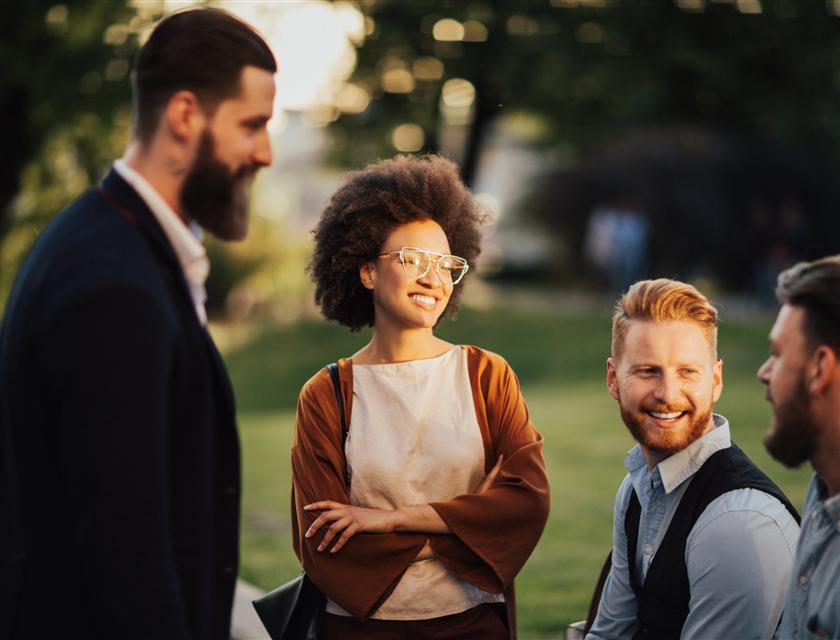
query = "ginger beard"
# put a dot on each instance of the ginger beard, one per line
(793, 435)
(216, 197)
(666, 441)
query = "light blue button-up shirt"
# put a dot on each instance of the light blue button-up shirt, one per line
(812, 609)
(739, 553)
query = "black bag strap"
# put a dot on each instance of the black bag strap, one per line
(336, 380)
(293, 611)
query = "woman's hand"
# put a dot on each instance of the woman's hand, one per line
(347, 520)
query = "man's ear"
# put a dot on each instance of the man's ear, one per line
(717, 377)
(821, 369)
(367, 275)
(183, 116)
(612, 384)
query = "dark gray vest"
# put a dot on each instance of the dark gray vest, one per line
(662, 601)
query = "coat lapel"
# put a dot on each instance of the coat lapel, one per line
(131, 206)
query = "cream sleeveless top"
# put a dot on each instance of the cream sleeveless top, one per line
(414, 439)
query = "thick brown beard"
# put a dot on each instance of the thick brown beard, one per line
(634, 423)
(212, 195)
(793, 435)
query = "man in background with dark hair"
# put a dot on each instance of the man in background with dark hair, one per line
(120, 486)
(802, 376)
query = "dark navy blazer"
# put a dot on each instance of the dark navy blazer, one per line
(119, 500)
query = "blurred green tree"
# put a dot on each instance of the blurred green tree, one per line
(65, 108)
(66, 105)
(595, 68)
(633, 96)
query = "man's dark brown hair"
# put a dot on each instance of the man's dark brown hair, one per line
(815, 286)
(198, 50)
(363, 213)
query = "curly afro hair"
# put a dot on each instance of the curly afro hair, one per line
(367, 208)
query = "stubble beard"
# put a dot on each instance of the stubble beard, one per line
(215, 197)
(793, 436)
(667, 443)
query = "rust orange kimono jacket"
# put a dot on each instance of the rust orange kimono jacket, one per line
(492, 534)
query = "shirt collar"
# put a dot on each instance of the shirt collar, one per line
(832, 504)
(185, 239)
(680, 466)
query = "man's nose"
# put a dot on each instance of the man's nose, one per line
(262, 154)
(668, 390)
(763, 373)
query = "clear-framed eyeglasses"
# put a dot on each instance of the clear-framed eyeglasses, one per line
(416, 263)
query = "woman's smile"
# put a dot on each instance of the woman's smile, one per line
(427, 302)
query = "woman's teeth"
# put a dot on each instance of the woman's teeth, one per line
(428, 300)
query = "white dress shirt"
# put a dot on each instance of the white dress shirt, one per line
(185, 239)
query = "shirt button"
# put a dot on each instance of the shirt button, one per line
(228, 570)
(230, 491)
(803, 580)
(814, 515)
(648, 550)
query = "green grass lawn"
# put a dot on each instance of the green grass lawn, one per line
(560, 361)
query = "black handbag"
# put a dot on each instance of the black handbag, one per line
(293, 611)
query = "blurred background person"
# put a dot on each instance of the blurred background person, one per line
(616, 244)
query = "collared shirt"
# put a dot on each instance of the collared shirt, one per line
(738, 554)
(185, 239)
(812, 609)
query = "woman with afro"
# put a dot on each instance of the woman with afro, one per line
(416, 524)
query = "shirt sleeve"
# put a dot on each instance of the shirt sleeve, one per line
(369, 566)
(495, 532)
(739, 557)
(616, 619)
(108, 356)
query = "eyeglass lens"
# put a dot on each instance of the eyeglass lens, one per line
(417, 263)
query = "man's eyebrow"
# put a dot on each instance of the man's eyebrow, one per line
(653, 365)
(258, 119)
